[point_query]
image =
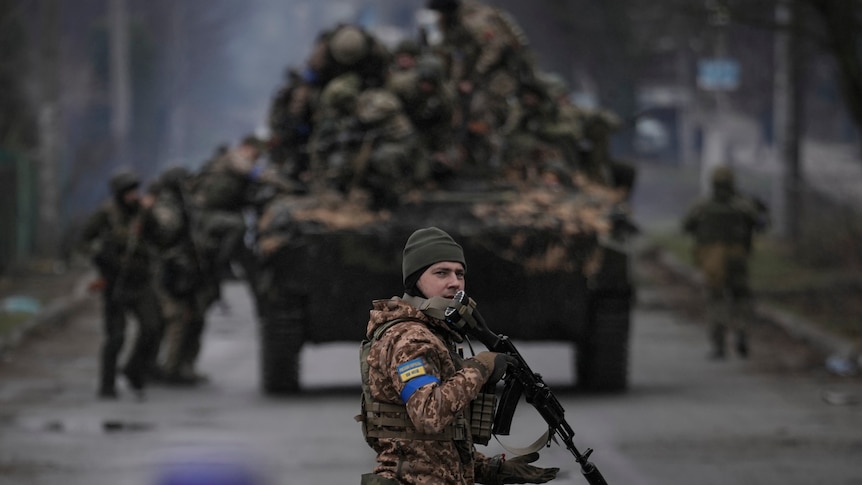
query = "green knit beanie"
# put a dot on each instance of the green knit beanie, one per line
(428, 246)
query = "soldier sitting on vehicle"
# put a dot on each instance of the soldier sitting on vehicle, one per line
(389, 160)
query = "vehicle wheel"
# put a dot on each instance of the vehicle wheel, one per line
(603, 353)
(280, 346)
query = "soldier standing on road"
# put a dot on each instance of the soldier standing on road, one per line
(723, 227)
(418, 389)
(114, 241)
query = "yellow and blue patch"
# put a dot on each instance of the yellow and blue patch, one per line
(411, 369)
(414, 376)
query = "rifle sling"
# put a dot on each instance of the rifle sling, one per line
(537, 445)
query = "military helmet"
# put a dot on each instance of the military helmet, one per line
(554, 84)
(601, 123)
(174, 177)
(430, 68)
(124, 181)
(341, 92)
(407, 46)
(375, 105)
(723, 175)
(255, 142)
(348, 45)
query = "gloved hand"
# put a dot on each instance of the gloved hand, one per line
(501, 366)
(484, 362)
(493, 364)
(519, 470)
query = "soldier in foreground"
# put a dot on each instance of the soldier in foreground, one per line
(113, 239)
(723, 227)
(419, 393)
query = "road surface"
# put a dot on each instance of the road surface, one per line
(775, 419)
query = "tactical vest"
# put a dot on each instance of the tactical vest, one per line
(122, 250)
(391, 421)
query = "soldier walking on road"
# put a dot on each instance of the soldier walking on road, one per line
(114, 241)
(418, 390)
(185, 282)
(723, 227)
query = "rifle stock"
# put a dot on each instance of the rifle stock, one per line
(521, 380)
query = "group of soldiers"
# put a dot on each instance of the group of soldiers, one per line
(162, 254)
(361, 116)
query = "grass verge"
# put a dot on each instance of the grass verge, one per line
(828, 296)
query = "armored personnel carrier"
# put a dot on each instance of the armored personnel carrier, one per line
(543, 265)
(543, 223)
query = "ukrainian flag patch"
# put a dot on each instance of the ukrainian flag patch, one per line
(411, 369)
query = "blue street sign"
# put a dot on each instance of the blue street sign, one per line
(718, 74)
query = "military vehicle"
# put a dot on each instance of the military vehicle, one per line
(546, 261)
(542, 265)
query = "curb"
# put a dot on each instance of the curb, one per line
(52, 315)
(800, 328)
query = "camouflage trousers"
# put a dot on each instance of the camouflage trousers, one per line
(183, 332)
(729, 302)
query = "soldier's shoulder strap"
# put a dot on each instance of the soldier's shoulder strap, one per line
(379, 331)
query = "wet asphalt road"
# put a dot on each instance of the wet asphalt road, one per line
(777, 418)
(685, 419)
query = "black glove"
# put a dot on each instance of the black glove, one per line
(519, 470)
(501, 365)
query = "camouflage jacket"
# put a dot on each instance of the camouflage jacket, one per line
(731, 222)
(224, 183)
(432, 407)
(114, 240)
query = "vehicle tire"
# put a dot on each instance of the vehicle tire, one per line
(281, 339)
(603, 352)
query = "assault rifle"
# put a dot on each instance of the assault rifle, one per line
(520, 380)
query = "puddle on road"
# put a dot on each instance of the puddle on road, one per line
(75, 425)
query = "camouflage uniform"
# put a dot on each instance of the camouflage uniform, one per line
(432, 409)
(389, 159)
(598, 127)
(430, 104)
(336, 134)
(534, 136)
(223, 191)
(185, 285)
(290, 122)
(486, 55)
(424, 405)
(348, 48)
(723, 227)
(113, 238)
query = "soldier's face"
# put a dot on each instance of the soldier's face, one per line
(442, 279)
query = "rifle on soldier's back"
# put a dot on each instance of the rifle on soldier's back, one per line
(519, 380)
(132, 242)
(188, 221)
